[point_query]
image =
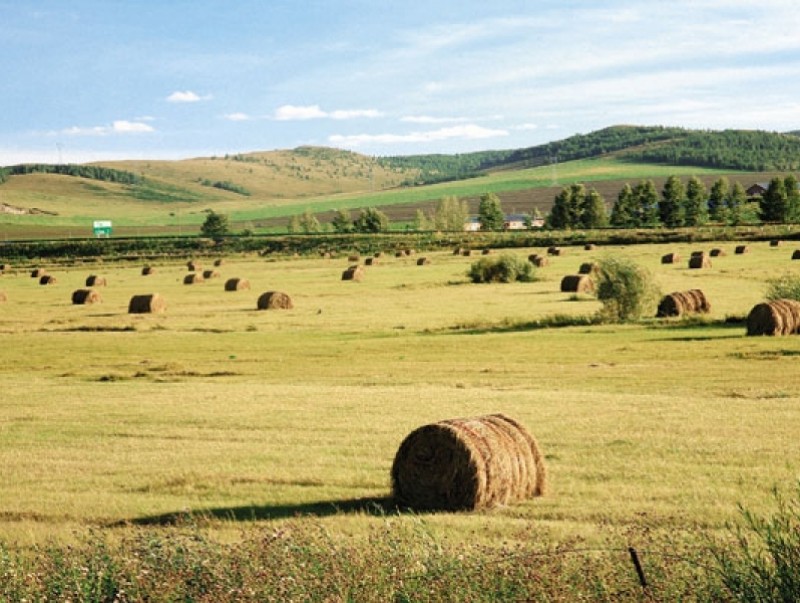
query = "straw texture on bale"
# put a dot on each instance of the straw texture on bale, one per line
(38, 272)
(577, 283)
(47, 279)
(776, 317)
(670, 258)
(95, 281)
(740, 249)
(423, 261)
(207, 274)
(716, 252)
(147, 304)
(353, 273)
(237, 284)
(86, 296)
(148, 270)
(679, 303)
(555, 251)
(193, 266)
(193, 278)
(468, 464)
(274, 300)
(589, 268)
(796, 254)
(538, 260)
(700, 261)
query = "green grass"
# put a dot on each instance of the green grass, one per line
(250, 418)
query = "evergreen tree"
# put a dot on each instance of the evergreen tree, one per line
(718, 200)
(593, 210)
(559, 213)
(670, 208)
(577, 199)
(793, 198)
(625, 213)
(341, 221)
(647, 203)
(736, 204)
(695, 205)
(490, 214)
(215, 226)
(774, 204)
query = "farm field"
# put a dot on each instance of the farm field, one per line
(249, 418)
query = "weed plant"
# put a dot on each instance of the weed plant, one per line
(786, 286)
(626, 290)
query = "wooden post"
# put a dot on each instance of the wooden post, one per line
(638, 566)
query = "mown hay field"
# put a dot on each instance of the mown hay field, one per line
(214, 407)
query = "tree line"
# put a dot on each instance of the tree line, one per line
(92, 172)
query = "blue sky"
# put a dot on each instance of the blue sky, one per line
(87, 80)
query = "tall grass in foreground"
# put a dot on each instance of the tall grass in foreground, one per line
(301, 561)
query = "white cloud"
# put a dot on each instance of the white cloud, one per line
(237, 117)
(428, 119)
(298, 113)
(120, 126)
(465, 132)
(186, 96)
(527, 127)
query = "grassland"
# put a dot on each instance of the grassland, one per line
(215, 408)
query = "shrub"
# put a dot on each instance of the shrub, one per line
(763, 563)
(626, 290)
(784, 287)
(505, 268)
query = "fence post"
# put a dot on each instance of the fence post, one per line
(638, 566)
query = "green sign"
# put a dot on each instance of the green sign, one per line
(102, 228)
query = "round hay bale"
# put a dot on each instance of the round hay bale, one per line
(466, 252)
(371, 261)
(680, 303)
(468, 464)
(717, 252)
(3, 267)
(409, 251)
(555, 251)
(86, 296)
(700, 261)
(147, 270)
(353, 273)
(670, 258)
(423, 261)
(193, 278)
(577, 283)
(237, 284)
(47, 279)
(38, 272)
(95, 281)
(538, 260)
(796, 254)
(207, 274)
(589, 247)
(776, 317)
(398, 254)
(378, 254)
(274, 300)
(147, 304)
(486, 251)
(353, 257)
(740, 249)
(218, 262)
(589, 268)
(193, 266)
(774, 243)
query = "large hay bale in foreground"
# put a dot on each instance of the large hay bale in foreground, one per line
(670, 258)
(468, 464)
(679, 303)
(193, 278)
(95, 281)
(86, 296)
(47, 279)
(577, 283)
(701, 260)
(147, 304)
(776, 317)
(353, 273)
(740, 249)
(274, 300)
(237, 284)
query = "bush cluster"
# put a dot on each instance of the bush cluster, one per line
(505, 268)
